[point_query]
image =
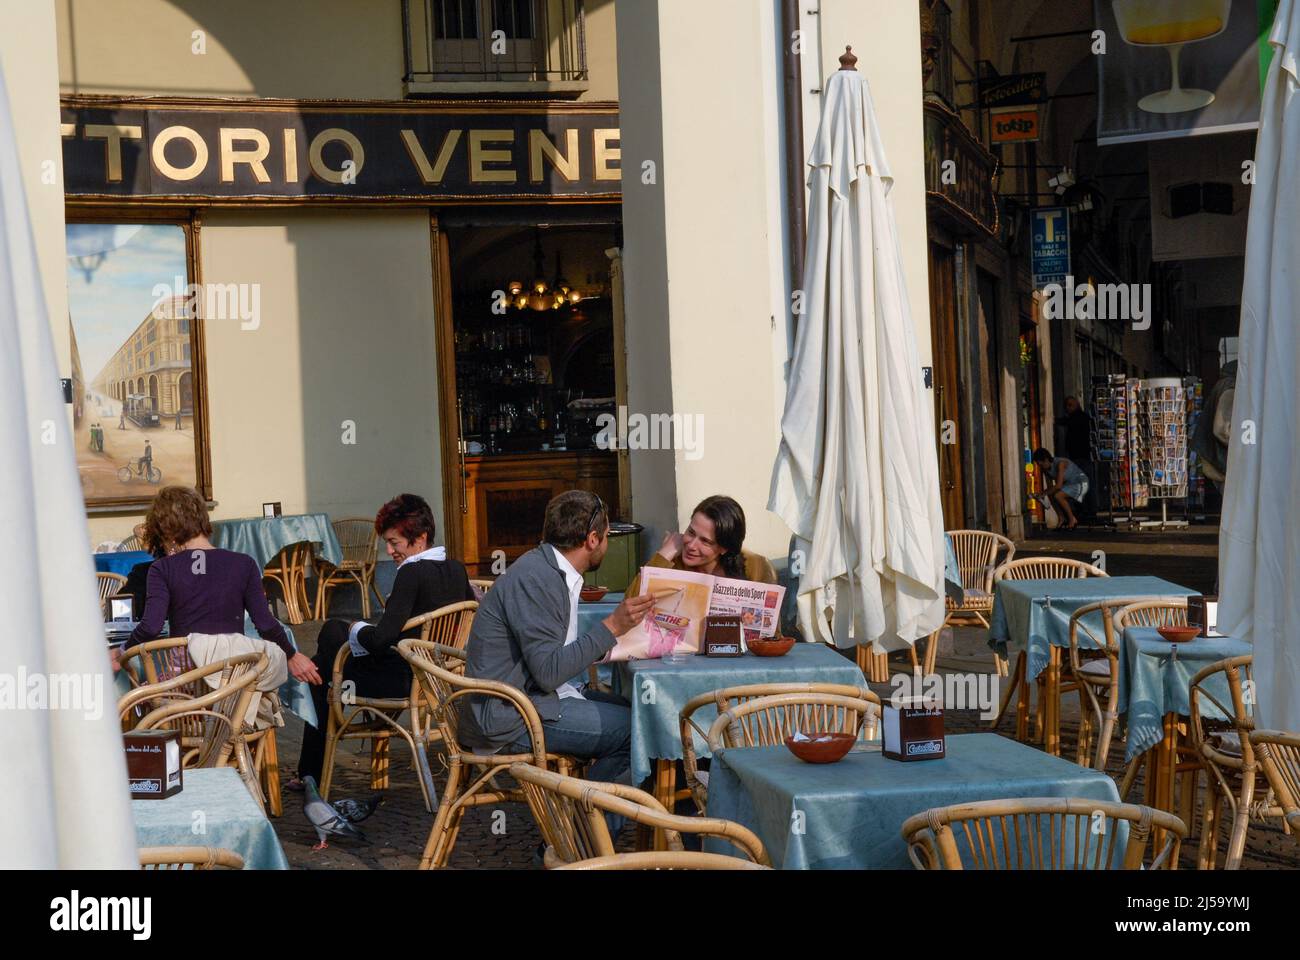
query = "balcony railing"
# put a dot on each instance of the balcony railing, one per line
(493, 41)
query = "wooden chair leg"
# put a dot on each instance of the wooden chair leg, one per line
(1207, 852)
(379, 763)
(364, 583)
(1010, 691)
(271, 774)
(331, 747)
(1241, 820)
(450, 794)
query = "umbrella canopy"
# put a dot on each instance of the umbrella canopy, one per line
(1259, 550)
(65, 803)
(856, 478)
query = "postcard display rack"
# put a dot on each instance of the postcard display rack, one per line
(1140, 431)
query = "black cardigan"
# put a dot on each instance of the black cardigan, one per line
(421, 587)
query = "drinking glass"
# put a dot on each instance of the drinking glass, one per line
(1172, 24)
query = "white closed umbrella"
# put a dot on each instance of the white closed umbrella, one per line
(1259, 540)
(856, 478)
(65, 801)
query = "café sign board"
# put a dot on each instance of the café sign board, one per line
(1049, 245)
(215, 151)
(1017, 90)
(1013, 126)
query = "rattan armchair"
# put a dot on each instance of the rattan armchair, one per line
(1035, 568)
(131, 543)
(1235, 769)
(379, 719)
(571, 816)
(1040, 833)
(157, 660)
(212, 723)
(664, 860)
(767, 721)
(356, 536)
(195, 858)
(697, 780)
(1094, 667)
(110, 584)
(471, 773)
(977, 553)
(288, 570)
(481, 586)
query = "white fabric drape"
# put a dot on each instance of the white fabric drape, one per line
(65, 801)
(856, 477)
(1259, 541)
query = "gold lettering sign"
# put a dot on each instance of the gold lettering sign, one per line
(113, 134)
(158, 153)
(479, 156)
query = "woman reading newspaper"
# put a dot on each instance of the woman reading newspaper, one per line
(704, 571)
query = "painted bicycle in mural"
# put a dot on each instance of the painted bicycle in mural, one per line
(141, 469)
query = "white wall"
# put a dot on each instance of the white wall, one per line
(706, 322)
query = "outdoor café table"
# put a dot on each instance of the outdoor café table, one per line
(849, 815)
(590, 614)
(1035, 615)
(1155, 678)
(213, 809)
(121, 563)
(263, 538)
(657, 691)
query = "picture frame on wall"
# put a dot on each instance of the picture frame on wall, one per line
(135, 335)
(272, 509)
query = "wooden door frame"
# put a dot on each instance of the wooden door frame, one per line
(943, 335)
(451, 447)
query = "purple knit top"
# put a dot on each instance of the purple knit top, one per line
(207, 594)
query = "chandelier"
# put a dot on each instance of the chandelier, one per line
(539, 295)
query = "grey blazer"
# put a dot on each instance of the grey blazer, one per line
(518, 638)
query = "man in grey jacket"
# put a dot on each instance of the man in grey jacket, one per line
(525, 634)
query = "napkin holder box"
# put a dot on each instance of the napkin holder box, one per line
(153, 763)
(723, 636)
(1203, 612)
(912, 730)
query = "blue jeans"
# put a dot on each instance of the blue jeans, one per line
(598, 728)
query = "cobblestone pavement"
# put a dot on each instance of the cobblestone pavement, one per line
(505, 837)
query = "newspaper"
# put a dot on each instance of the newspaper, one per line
(675, 624)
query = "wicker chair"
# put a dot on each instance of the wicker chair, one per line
(1095, 670)
(471, 774)
(1161, 612)
(767, 721)
(1279, 757)
(1033, 834)
(288, 570)
(130, 544)
(664, 860)
(196, 858)
(110, 584)
(212, 725)
(378, 719)
(977, 554)
(481, 587)
(156, 660)
(1234, 769)
(697, 780)
(571, 816)
(356, 536)
(1035, 568)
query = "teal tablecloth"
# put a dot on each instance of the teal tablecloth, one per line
(295, 695)
(214, 809)
(122, 562)
(849, 815)
(264, 537)
(658, 691)
(952, 585)
(1021, 613)
(1155, 679)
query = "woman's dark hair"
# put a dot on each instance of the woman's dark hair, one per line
(409, 514)
(728, 532)
(571, 516)
(177, 515)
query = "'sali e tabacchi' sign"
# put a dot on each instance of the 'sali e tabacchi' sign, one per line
(151, 148)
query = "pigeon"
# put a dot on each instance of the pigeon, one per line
(326, 820)
(354, 811)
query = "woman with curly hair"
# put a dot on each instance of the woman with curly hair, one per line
(195, 587)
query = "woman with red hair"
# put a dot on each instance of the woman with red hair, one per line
(426, 580)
